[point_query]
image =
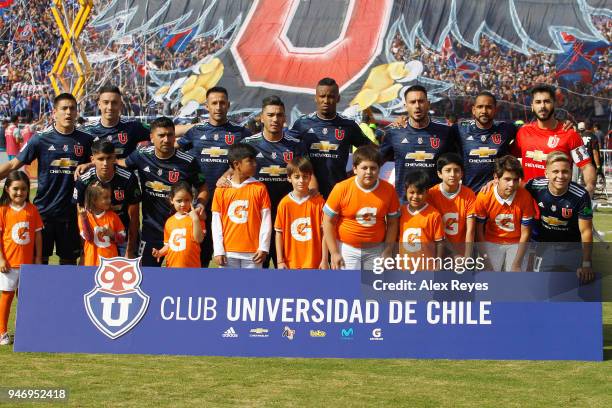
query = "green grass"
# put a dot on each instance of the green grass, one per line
(119, 380)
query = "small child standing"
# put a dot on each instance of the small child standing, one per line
(21, 243)
(298, 225)
(241, 217)
(183, 232)
(100, 227)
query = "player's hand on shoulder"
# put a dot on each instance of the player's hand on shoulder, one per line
(399, 122)
(485, 189)
(82, 168)
(568, 125)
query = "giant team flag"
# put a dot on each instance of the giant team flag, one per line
(5, 3)
(579, 60)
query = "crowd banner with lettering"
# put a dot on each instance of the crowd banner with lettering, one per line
(118, 308)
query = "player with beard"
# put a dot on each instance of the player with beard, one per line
(328, 136)
(418, 143)
(535, 140)
(209, 143)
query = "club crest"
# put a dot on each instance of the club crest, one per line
(119, 195)
(496, 138)
(339, 134)
(116, 304)
(566, 212)
(287, 156)
(229, 139)
(553, 141)
(173, 176)
(435, 142)
(78, 150)
(123, 137)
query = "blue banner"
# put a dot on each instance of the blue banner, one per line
(219, 312)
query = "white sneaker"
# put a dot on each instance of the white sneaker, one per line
(5, 340)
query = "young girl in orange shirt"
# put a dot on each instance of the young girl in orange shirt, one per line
(21, 243)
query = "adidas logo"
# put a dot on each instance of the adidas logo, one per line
(230, 333)
(203, 137)
(405, 140)
(311, 130)
(259, 155)
(147, 169)
(469, 138)
(51, 147)
(541, 204)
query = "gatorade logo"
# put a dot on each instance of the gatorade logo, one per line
(238, 212)
(301, 229)
(366, 216)
(505, 222)
(100, 239)
(21, 233)
(178, 239)
(411, 239)
(451, 223)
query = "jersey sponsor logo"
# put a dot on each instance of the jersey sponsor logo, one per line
(505, 222)
(78, 150)
(117, 286)
(178, 239)
(483, 151)
(420, 156)
(238, 211)
(275, 170)
(324, 146)
(119, 195)
(122, 137)
(173, 176)
(566, 212)
(339, 134)
(158, 186)
(411, 239)
(100, 238)
(287, 156)
(366, 216)
(434, 141)
(554, 221)
(496, 138)
(64, 163)
(553, 141)
(20, 233)
(214, 151)
(536, 155)
(229, 139)
(301, 229)
(451, 223)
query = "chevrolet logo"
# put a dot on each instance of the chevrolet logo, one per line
(420, 155)
(274, 170)
(554, 221)
(157, 186)
(324, 146)
(483, 152)
(215, 151)
(65, 163)
(537, 155)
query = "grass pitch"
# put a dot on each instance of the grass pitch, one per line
(136, 381)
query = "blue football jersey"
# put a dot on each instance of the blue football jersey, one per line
(58, 156)
(156, 179)
(209, 145)
(124, 190)
(413, 148)
(125, 136)
(559, 215)
(272, 159)
(480, 148)
(329, 143)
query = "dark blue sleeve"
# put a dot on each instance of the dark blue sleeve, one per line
(356, 136)
(296, 130)
(196, 178)
(131, 162)
(134, 195)
(143, 134)
(79, 192)
(30, 151)
(386, 147)
(186, 141)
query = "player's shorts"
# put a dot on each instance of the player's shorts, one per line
(64, 236)
(145, 251)
(239, 263)
(359, 258)
(502, 256)
(10, 280)
(557, 257)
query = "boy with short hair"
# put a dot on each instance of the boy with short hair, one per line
(455, 202)
(361, 214)
(241, 223)
(298, 225)
(420, 225)
(504, 214)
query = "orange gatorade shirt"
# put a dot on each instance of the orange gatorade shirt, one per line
(300, 221)
(241, 214)
(419, 230)
(101, 245)
(503, 218)
(361, 213)
(19, 227)
(455, 209)
(183, 250)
